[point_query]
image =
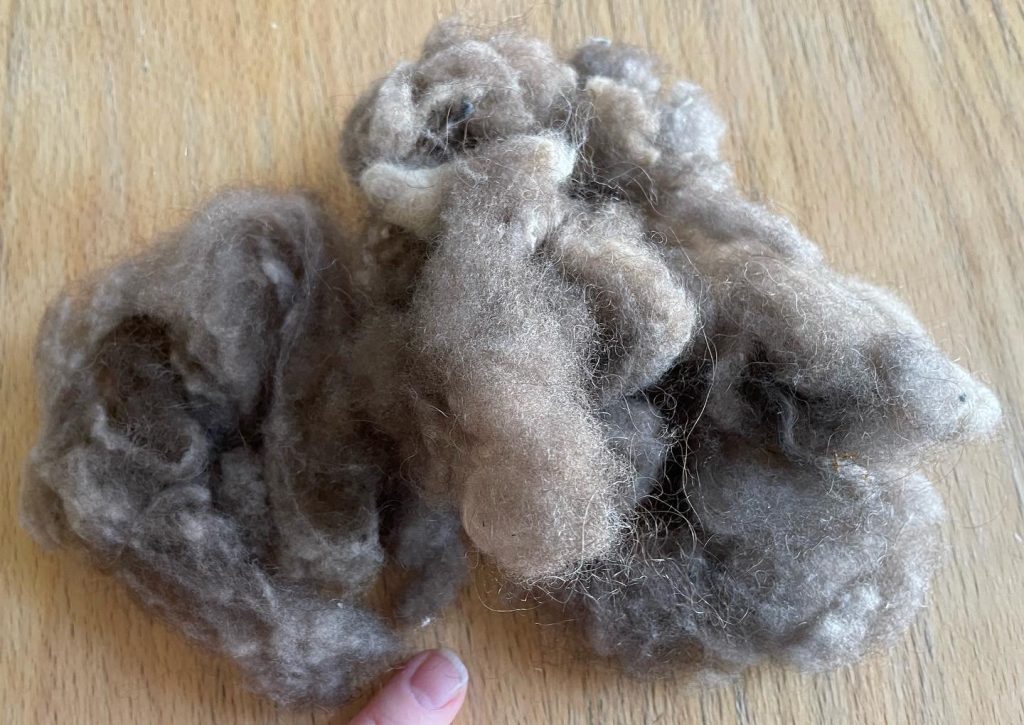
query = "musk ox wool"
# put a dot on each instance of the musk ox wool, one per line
(563, 339)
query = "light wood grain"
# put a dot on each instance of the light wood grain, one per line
(890, 131)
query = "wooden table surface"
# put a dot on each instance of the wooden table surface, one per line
(890, 131)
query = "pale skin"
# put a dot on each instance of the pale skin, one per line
(428, 690)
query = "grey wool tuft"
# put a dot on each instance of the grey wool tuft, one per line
(200, 442)
(564, 337)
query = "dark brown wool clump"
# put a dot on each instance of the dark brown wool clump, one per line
(564, 334)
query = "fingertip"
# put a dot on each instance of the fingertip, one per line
(430, 689)
(438, 679)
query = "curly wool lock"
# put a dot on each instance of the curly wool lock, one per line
(562, 328)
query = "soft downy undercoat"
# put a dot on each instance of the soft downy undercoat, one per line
(767, 417)
(564, 337)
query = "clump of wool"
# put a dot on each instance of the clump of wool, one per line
(649, 397)
(200, 443)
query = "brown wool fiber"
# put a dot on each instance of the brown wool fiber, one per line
(200, 443)
(564, 337)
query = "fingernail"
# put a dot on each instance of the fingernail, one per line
(438, 679)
